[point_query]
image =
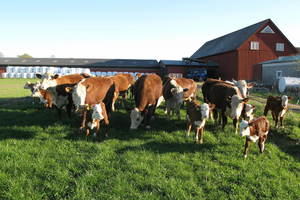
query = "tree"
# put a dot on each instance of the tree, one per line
(24, 55)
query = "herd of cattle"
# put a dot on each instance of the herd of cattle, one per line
(94, 98)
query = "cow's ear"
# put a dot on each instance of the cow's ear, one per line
(55, 76)
(245, 100)
(250, 85)
(39, 76)
(212, 106)
(253, 107)
(68, 89)
(185, 89)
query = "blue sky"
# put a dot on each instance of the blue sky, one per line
(144, 29)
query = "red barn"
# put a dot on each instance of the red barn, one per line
(239, 53)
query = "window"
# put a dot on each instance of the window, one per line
(254, 45)
(278, 74)
(279, 46)
(267, 29)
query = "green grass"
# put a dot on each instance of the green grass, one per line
(44, 158)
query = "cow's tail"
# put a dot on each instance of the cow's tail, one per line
(79, 94)
(108, 100)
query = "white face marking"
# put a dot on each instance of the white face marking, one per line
(136, 118)
(79, 95)
(249, 111)
(236, 106)
(242, 85)
(284, 100)
(204, 111)
(46, 83)
(97, 112)
(244, 128)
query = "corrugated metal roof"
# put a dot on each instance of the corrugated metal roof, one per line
(78, 62)
(283, 59)
(186, 63)
(227, 42)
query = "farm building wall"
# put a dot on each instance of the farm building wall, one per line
(270, 71)
(227, 64)
(248, 59)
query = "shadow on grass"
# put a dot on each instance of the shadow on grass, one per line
(161, 148)
(8, 133)
(284, 143)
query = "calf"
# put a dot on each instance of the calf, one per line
(92, 94)
(196, 117)
(147, 95)
(98, 115)
(278, 106)
(44, 95)
(256, 129)
(175, 91)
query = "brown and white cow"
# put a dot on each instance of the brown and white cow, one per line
(49, 80)
(147, 95)
(278, 106)
(175, 91)
(122, 83)
(196, 117)
(256, 129)
(92, 94)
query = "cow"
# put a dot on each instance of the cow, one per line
(228, 100)
(49, 80)
(256, 129)
(247, 112)
(89, 94)
(196, 117)
(147, 96)
(44, 96)
(278, 106)
(240, 84)
(175, 91)
(122, 83)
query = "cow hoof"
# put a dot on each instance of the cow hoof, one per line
(148, 127)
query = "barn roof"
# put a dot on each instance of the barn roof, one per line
(227, 42)
(82, 62)
(284, 59)
(186, 63)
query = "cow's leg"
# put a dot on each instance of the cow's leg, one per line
(281, 122)
(83, 122)
(178, 111)
(261, 143)
(189, 127)
(276, 121)
(201, 135)
(148, 116)
(235, 125)
(224, 119)
(69, 109)
(197, 129)
(247, 145)
(58, 112)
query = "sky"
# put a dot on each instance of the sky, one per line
(132, 29)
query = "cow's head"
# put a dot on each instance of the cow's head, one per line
(244, 128)
(177, 91)
(284, 100)
(243, 86)
(136, 118)
(248, 111)
(237, 105)
(78, 95)
(48, 80)
(205, 109)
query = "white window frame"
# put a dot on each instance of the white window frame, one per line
(254, 45)
(279, 46)
(278, 74)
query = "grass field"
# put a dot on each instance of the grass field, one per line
(44, 158)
